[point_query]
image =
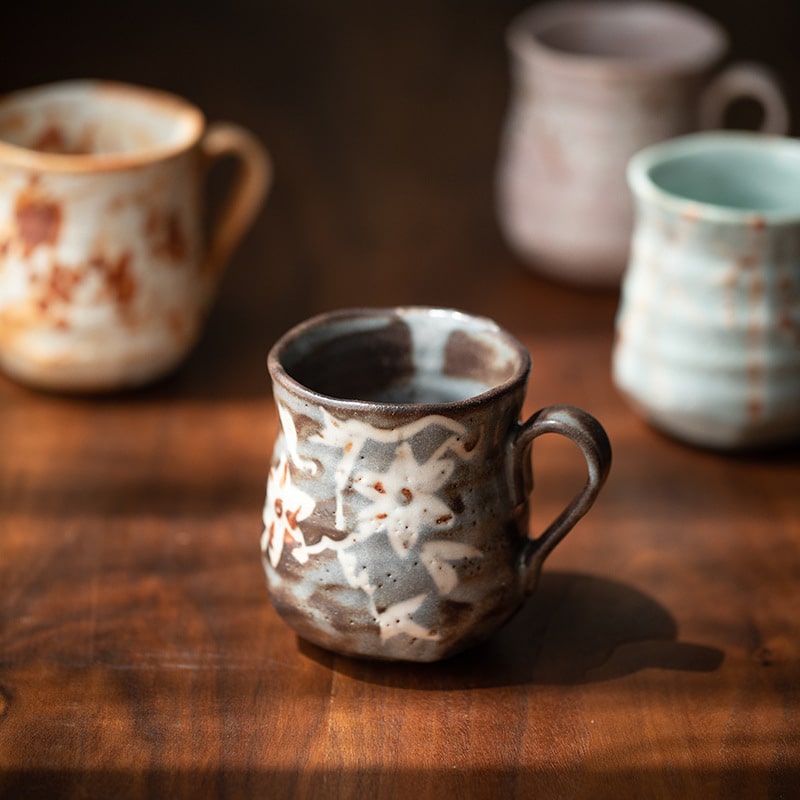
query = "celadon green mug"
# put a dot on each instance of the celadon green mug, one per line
(708, 331)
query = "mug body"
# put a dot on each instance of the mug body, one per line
(593, 83)
(708, 343)
(101, 273)
(392, 529)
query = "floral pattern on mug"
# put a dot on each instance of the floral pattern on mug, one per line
(403, 500)
(286, 506)
(402, 503)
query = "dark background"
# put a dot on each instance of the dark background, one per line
(376, 201)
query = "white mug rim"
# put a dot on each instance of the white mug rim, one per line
(17, 155)
(523, 40)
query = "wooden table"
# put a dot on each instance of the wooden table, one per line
(139, 654)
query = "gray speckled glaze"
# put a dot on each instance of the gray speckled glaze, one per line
(395, 523)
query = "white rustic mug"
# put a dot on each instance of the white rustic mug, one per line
(105, 274)
(708, 344)
(593, 83)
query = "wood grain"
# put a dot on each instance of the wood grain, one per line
(139, 655)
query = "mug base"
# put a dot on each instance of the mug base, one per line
(318, 627)
(581, 269)
(84, 377)
(703, 431)
(579, 274)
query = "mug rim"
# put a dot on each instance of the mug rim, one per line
(644, 187)
(26, 157)
(282, 378)
(523, 40)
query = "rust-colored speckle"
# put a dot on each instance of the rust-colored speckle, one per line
(4, 248)
(788, 327)
(279, 506)
(379, 487)
(407, 494)
(756, 288)
(381, 516)
(50, 140)
(61, 283)
(471, 444)
(166, 235)
(347, 448)
(691, 214)
(117, 276)
(747, 262)
(54, 289)
(38, 222)
(291, 519)
(444, 518)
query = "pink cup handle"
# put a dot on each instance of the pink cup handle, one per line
(745, 80)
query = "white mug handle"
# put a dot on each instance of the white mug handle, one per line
(743, 80)
(250, 186)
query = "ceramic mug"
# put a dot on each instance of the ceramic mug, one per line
(708, 344)
(396, 516)
(593, 83)
(105, 277)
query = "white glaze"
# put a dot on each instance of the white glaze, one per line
(402, 502)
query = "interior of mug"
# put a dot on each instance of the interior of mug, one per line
(403, 356)
(654, 32)
(91, 118)
(752, 174)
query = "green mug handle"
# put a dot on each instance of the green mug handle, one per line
(585, 431)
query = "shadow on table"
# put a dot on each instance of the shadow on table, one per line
(515, 782)
(575, 629)
(275, 782)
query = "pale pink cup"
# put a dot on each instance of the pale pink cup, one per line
(593, 83)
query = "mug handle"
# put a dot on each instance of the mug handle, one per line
(743, 80)
(583, 429)
(250, 186)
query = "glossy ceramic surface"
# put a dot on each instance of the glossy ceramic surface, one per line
(593, 83)
(105, 274)
(709, 326)
(395, 523)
